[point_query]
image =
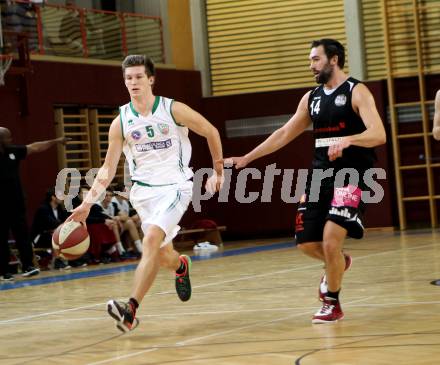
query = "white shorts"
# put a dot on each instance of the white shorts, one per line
(162, 206)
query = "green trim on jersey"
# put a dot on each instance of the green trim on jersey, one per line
(172, 115)
(174, 203)
(181, 158)
(120, 121)
(156, 104)
(133, 110)
(149, 185)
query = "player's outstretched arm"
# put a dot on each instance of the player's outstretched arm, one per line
(436, 128)
(278, 139)
(105, 174)
(188, 117)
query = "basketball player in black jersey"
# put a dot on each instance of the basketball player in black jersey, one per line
(346, 127)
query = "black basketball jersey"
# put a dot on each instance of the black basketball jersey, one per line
(333, 117)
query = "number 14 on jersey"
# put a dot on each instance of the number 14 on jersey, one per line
(314, 106)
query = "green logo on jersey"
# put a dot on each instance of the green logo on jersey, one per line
(130, 122)
(164, 128)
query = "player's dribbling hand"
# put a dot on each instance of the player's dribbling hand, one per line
(79, 214)
(239, 162)
(335, 151)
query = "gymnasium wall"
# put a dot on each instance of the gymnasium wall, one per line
(54, 84)
(264, 218)
(260, 45)
(179, 25)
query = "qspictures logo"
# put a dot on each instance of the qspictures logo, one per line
(293, 185)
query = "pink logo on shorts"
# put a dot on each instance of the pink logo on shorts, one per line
(348, 196)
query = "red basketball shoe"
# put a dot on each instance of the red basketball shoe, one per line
(330, 312)
(123, 314)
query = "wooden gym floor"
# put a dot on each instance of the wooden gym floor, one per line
(250, 306)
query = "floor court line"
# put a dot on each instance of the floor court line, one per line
(264, 323)
(131, 267)
(195, 339)
(122, 357)
(215, 283)
(198, 313)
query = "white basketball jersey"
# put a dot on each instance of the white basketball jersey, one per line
(157, 149)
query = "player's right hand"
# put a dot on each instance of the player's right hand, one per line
(79, 214)
(215, 182)
(239, 162)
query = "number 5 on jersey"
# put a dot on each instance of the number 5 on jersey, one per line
(150, 131)
(314, 106)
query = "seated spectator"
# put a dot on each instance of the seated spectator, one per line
(124, 224)
(100, 227)
(47, 218)
(120, 198)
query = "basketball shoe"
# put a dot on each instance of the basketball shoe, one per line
(183, 284)
(30, 271)
(330, 312)
(124, 314)
(7, 277)
(322, 291)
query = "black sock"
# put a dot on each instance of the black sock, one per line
(134, 303)
(181, 268)
(333, 295)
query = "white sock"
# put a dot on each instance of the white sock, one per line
(111, 250)
(138, 245)
(120, 247)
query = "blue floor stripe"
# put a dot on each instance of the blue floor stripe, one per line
(71, 276)
(131, 267)
(243, 251)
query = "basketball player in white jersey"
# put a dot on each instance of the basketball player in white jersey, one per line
(152, 131)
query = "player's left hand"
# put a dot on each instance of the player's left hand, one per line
(335, 151)
(215, 182)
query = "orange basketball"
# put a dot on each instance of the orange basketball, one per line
(70, 240)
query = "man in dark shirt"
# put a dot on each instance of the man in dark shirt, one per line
(346, 127)
(13, 213)
(47, 218)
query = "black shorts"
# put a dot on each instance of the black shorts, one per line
(342, 206)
